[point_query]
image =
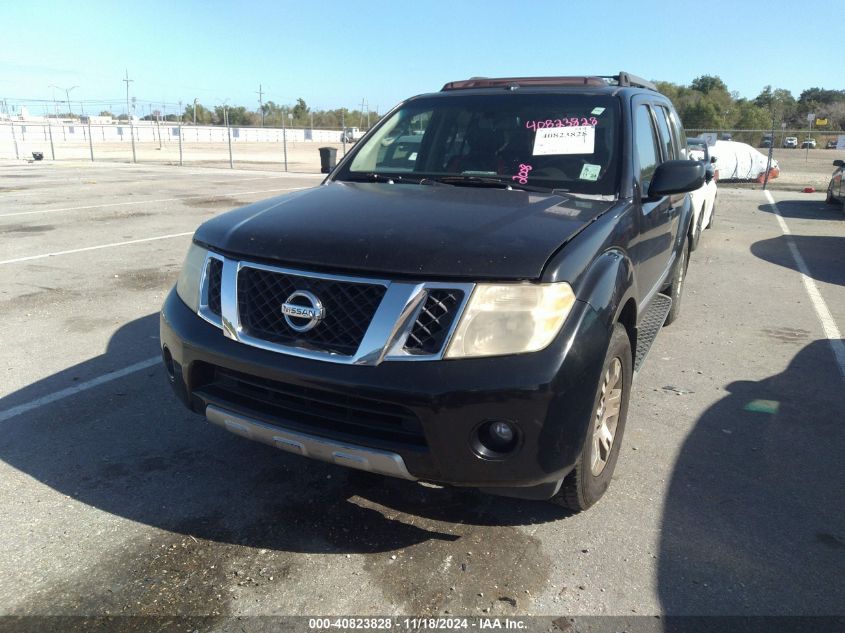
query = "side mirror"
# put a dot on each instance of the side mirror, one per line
(676, 176)
(713, 160)
(838, 163)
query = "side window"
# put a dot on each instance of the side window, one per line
(648, 154)
(680, 133)
(396, 146)
(670, 147)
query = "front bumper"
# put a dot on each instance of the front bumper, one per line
(548, 395)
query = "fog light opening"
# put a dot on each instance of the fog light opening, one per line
(495, 439)
(167, 359)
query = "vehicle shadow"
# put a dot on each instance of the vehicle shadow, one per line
(822, 253)
(753, 521)
(129, 448)
(806, 209)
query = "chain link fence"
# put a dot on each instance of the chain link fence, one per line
(289, 149)
(825, 139)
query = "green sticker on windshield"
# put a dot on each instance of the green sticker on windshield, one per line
(590, 172)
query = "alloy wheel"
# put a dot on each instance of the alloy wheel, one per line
(607, 416)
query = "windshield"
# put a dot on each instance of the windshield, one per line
(524, 140)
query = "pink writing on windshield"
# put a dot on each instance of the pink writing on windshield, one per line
(522, 176)
(567, 122)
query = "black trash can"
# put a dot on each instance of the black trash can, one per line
(38, 155)
(328, 157)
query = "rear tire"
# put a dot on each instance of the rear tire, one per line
(830, 199)
(593, 471)
(676, 290)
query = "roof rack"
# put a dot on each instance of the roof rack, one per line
(517, 82)
(627, 80)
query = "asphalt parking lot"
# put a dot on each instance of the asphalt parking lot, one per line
(728, 498)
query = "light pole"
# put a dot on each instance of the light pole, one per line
(67, 96)
(195, 111)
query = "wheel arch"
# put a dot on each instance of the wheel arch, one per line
(609, 286)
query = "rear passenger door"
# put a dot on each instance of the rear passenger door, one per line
(652, 249)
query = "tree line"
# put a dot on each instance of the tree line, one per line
(706, 103)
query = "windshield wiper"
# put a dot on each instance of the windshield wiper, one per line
(373, 177)
(465, 180)
(473, 181)
(395, 179)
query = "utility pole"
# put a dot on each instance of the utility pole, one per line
(285, 136)
(260, 94)
(158, 126)
(195, 111)
(361, 120)
(343, 128)
(180, 133)
(228, 134)
(55, 103)
(129, 116)
(12, 126)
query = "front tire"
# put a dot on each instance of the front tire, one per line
(593, 471)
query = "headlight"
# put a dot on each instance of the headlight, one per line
(188, 286)
(511, 319)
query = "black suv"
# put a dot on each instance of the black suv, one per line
(465, 298)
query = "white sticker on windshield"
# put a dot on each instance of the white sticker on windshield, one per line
(579, 139)
(590, 172)
(597, 111)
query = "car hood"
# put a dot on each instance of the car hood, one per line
(409, 230)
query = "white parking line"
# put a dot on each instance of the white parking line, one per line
(93, 248)
(72, 391)
(121, 204)
(831, 331)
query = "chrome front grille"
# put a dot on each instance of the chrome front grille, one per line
(349, 309)
(363, 321)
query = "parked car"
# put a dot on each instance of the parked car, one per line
(836, 187)
(808, 143)
(766, 141)
(831, 144)
(703, 198)
(737, 161)
(474, 321)
(790, 142)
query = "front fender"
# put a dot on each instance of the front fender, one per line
(608, 285)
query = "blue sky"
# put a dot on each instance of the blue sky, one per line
(384, 52)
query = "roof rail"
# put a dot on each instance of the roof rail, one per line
(517, 82)
(627, 80)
